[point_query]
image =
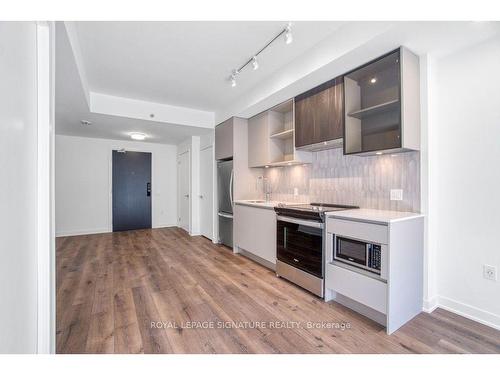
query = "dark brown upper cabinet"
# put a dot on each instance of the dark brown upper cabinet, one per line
(319, 116)
(382, 105)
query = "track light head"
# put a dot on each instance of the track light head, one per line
(233, 78)
(255, 63)
(288, 34)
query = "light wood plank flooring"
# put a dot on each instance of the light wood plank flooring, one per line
(111, 287)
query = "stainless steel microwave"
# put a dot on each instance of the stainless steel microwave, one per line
(357, 253)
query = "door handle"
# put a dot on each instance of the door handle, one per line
(201, 196)
(187, 195)
(148, 189)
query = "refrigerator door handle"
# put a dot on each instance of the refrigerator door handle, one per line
(231, 188)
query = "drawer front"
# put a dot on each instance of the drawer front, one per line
(361, 288)
(369, 232)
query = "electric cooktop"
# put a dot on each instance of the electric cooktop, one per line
(312, 211)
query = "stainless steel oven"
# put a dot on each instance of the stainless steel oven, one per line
(300, 252)
(358, 253)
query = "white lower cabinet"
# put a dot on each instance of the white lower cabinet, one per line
(395, 296)
(255, 232)
(361, 288)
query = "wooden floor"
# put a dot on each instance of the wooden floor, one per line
(111, 289)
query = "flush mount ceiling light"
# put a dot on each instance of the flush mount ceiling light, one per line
(287, 32)
(138, 136)
(373, 80)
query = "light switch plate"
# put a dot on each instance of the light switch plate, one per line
(396, 194)
(295, 191)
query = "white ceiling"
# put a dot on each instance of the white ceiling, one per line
(187, 63)
(71, 107)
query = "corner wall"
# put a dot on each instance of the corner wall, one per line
(466, 153)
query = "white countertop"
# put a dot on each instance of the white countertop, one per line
(372, 215)
(262, 203)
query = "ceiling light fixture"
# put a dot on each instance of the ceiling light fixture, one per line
(138, 136)
(373, 80)
(378, 153)
(287, 32)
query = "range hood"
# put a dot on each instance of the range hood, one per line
(334, 143)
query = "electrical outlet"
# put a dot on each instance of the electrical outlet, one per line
(396, 194)
(295, 191)
(489, 272)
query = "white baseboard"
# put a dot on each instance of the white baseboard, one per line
(164, 225)
(82, 232)
(470, 312)
(430, 304)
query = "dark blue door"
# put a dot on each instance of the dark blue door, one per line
(131, 190)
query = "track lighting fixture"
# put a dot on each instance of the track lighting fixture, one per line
(233, 78)
(255, 63)
(286, 32)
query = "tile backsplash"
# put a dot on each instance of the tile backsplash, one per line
(362, 181)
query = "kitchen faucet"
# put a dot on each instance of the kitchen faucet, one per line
(267, 189)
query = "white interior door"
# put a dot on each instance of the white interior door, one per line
(183, 166)
(206, 192)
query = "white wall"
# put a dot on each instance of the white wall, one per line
(466, 184)
(18, 188)
(83, 183)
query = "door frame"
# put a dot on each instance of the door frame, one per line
(45, 205)
(179, 198)
(154, 224)
(214, 190)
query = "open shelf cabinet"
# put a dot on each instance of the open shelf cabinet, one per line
(271, 138)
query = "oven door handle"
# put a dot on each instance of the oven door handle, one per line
(306, 223)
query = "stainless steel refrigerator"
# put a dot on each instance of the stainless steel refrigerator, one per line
(225, 177)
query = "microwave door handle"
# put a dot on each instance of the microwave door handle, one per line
(367, 257)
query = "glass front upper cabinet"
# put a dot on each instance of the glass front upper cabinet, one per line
(382, 106)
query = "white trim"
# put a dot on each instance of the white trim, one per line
(430, 305)
(165, 225)
(45, 251)
(470, 312)
(81, 232)
(179, 198)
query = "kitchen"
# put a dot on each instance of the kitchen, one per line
(352, 145)
(315, 194)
